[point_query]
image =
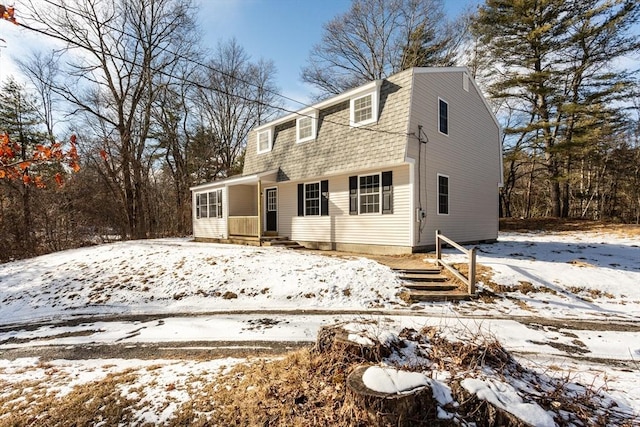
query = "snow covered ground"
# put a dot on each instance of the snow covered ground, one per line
(248, 294)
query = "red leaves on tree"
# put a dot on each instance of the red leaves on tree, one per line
(8, 13)
(14, 167)
(103, 154)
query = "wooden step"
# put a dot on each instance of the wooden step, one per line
(434, 270)
(431, 286)
(429, 277)
(439, 296)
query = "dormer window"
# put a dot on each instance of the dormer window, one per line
(306, 127)
(264, 141)
(364, 108)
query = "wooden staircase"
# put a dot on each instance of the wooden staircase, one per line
(429, 284)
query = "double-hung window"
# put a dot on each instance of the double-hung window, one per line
(312, 199)
(264, 141)
(202, 205)
(443, 116)
(215, 204)
(369, 190)
(443, 195)
(306, 126)
(209, 205)
(364, 109)
(371, 194)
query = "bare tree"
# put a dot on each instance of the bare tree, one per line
(377, 38)
(117, 55)
(235, 95)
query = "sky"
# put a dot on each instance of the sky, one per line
(280, 30)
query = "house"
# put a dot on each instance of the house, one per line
(376, 169)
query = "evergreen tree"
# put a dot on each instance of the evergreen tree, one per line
(555, 57)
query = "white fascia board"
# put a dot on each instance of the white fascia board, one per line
(249, 179)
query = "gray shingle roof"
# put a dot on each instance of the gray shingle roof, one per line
(338, 147)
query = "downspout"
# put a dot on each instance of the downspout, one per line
(412, 202)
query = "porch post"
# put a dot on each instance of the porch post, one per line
(260, 211)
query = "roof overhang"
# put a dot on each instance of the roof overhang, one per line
(266, 176)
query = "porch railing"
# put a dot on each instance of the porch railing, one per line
(243, 226)
(470, 280)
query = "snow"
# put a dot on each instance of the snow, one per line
(245, 297)
(393, 381)
(506, 397)
(176, 275)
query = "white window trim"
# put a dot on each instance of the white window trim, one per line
(313, 115)
(375, 95)
(448, 126)
(448, 195)
(319, 198)
(379, 194)
(218, 206)
(269, 138)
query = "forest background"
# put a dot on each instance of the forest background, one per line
(104, 136)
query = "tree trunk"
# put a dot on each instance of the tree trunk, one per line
(382, 409)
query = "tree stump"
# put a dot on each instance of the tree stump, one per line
(414, 406)
(336, 338)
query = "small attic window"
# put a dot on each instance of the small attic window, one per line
(306, 127)
(364, 109)
(264, 141)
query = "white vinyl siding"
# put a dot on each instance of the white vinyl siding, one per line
(469, 155)
(209, 226)
(339, 226)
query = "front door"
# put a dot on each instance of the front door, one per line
(272, 209)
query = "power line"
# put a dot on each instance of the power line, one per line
(206, 66)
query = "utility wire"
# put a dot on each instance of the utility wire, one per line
(206, 66)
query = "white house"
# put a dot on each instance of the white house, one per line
(376, 169)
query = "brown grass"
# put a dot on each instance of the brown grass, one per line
(307, 387)
(568, 225)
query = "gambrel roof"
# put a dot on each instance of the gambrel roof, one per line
(339, 147)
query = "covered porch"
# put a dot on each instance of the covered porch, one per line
(248, 207)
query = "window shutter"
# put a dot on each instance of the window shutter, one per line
(220, 203)
(353, 195)
(198, 206)
(300, 199)
(324, 197)
(387, 192)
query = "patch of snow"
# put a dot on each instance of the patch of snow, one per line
(393, 381)
(505, 397)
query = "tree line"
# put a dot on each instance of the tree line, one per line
(154, 112)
